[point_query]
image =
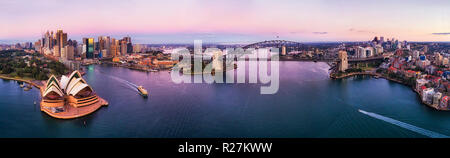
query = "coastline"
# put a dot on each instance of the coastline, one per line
(31, 82)
(332, 76)
(35, 83)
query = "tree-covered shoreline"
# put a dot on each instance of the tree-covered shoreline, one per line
(34, 66)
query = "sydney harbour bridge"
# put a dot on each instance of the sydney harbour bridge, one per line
(277, 43)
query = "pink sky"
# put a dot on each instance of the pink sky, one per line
(230, 20)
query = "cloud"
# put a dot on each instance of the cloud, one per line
(441, 33)
(361, 31)
(320, 33)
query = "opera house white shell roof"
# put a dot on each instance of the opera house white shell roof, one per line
(71, 85)
(53, 86)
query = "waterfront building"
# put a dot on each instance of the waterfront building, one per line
(343, 61)
(427, 95)
(445, 61)
(89, 46)
(71, 97)
(52, 96)
(410, 73)
(361, 52)
(444, 102)
(369, 51)
(77, 91)
(73, 89)
(436, 99)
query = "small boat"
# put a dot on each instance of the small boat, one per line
(142, 91)
(26, 88)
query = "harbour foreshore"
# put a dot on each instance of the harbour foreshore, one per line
(34, 83)
(333, 76)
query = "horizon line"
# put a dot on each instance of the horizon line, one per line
(7, 42)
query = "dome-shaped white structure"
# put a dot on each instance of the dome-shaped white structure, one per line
(52, 85)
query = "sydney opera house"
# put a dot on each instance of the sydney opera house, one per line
(70, 97)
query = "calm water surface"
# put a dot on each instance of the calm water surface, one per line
(308, 104)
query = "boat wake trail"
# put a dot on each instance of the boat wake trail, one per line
(410, 127)
(131, 85)
(128, 83)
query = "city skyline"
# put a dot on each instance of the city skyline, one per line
(156, 22)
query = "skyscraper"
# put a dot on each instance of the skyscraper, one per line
(63, 40)
(129, 46)
(69, 50)
(123, 47)
(89, 44)
(56, 52)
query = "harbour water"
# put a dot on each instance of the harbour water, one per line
(307, 105)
